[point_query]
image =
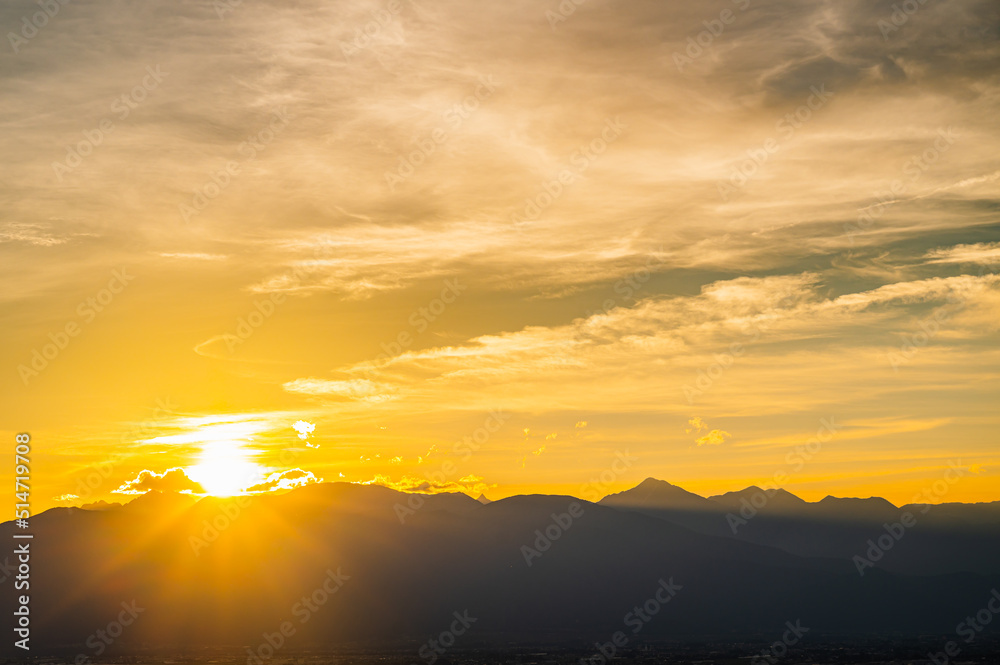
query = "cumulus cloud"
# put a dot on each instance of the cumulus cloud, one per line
(303, 428)
(713, 438)
(284, 480)
(171, 480)
(695, 424)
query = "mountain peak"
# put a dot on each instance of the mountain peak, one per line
(771, 492)
(653, 482)
(655, 493)
(873, 508)
(857, 501)
(100, 505)
(778, 499)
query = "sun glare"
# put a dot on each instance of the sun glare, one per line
(225, 468)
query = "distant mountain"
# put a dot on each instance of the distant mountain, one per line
(658, 494)
(874, 509)
(660, 499)
(157, 502)
(398, 567)
(949, 538)
(773, 500)
(100, 505)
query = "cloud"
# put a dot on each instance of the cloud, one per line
(355, 389)
(284, 480)
(448, 219)
(789, 307)
(468, 484)
(985, 253)
(627, 358)
(216, 427)
(713, 438)
(193, 256)
(31, 234)
(303, 428)
(171, 480)
(65, 498)
(365, 260)
(100, 505)
(696, 425)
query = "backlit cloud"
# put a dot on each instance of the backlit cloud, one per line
(171, 480)
(303, 429)
(470, 484)
(284, 480)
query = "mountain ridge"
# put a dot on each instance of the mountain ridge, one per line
(529, 567)
(649, 487)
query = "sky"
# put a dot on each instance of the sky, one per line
(501, 248)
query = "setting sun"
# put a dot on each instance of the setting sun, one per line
(225, 469)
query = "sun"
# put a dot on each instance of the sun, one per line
(225, 468)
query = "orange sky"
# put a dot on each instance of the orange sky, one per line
(559, 240)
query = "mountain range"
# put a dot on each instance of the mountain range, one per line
(401, 569)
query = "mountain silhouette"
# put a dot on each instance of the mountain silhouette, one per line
(946, 538)
(528, 569)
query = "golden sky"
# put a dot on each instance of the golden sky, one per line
(497, 247)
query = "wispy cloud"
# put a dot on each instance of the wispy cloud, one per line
(361, 389)
(472, 484)
(984, 253)
(193, 256)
